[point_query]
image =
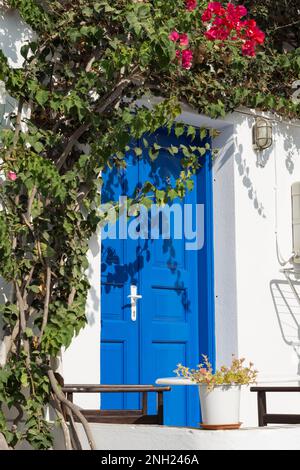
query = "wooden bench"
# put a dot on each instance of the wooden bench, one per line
(265, 418)
(121, 416)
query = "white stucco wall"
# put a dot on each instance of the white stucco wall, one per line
(13, 34)
(81, 361)
(247, 321)
(250, 321)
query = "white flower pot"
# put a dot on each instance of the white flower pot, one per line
(220, 407)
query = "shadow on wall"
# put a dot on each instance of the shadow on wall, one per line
(244, 172)
(291, 145)
(225, 146)
(288, 313)
(13, 33)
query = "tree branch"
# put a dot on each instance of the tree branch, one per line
(56, 405)
(285, 26)
(23, 323)
(30, 202)
(102, 106)
(74, 435)
(75, 410)
(46, 304)
(28, 280)
(71, 296)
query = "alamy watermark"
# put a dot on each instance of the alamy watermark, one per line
(176, 221)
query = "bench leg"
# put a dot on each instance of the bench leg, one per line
(145, 403)
(160, 408)
(262, 408)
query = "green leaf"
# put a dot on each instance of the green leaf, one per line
(160, 196)
(42, 97)
(28, 332)
(179, 130)
(34, 289)
(190, 185)
(153, 155)
(24, 379)
(172, 194)
(138, 151)
(191, 132)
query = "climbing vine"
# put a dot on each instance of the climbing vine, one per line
(77, 117)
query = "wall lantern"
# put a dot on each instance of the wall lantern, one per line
(262, 134)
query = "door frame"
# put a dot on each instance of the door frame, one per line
(205, 261)
(206, 297)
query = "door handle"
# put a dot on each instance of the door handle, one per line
(134, 296)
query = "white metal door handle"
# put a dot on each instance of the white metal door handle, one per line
(134, 296)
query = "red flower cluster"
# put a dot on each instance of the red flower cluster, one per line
(191, 5)
(227, 23)
(185, 56)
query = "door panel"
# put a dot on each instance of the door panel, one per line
(120, 264)
(165, 355)
(167, 275)
(169, 280)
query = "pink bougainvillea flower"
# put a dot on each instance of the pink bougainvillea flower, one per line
(236, 12)
(227, 24)
(254, 32)
(174, 36)
(217, 33)
(191, 5)
(187, 59)
(230, 9)
(220, 21)
(184, 39)
(11, 175)
(248, 26)
(241, 10)
(223, 34)
(207, 16)
(216, 8)
(259, 36)
(212, 34)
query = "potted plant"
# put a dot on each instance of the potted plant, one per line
(220, 391)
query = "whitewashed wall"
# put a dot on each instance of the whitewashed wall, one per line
(256, 314)
(13, 34)
(81, 361)
(247, 321)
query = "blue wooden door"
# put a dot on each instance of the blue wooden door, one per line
(170, 278)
